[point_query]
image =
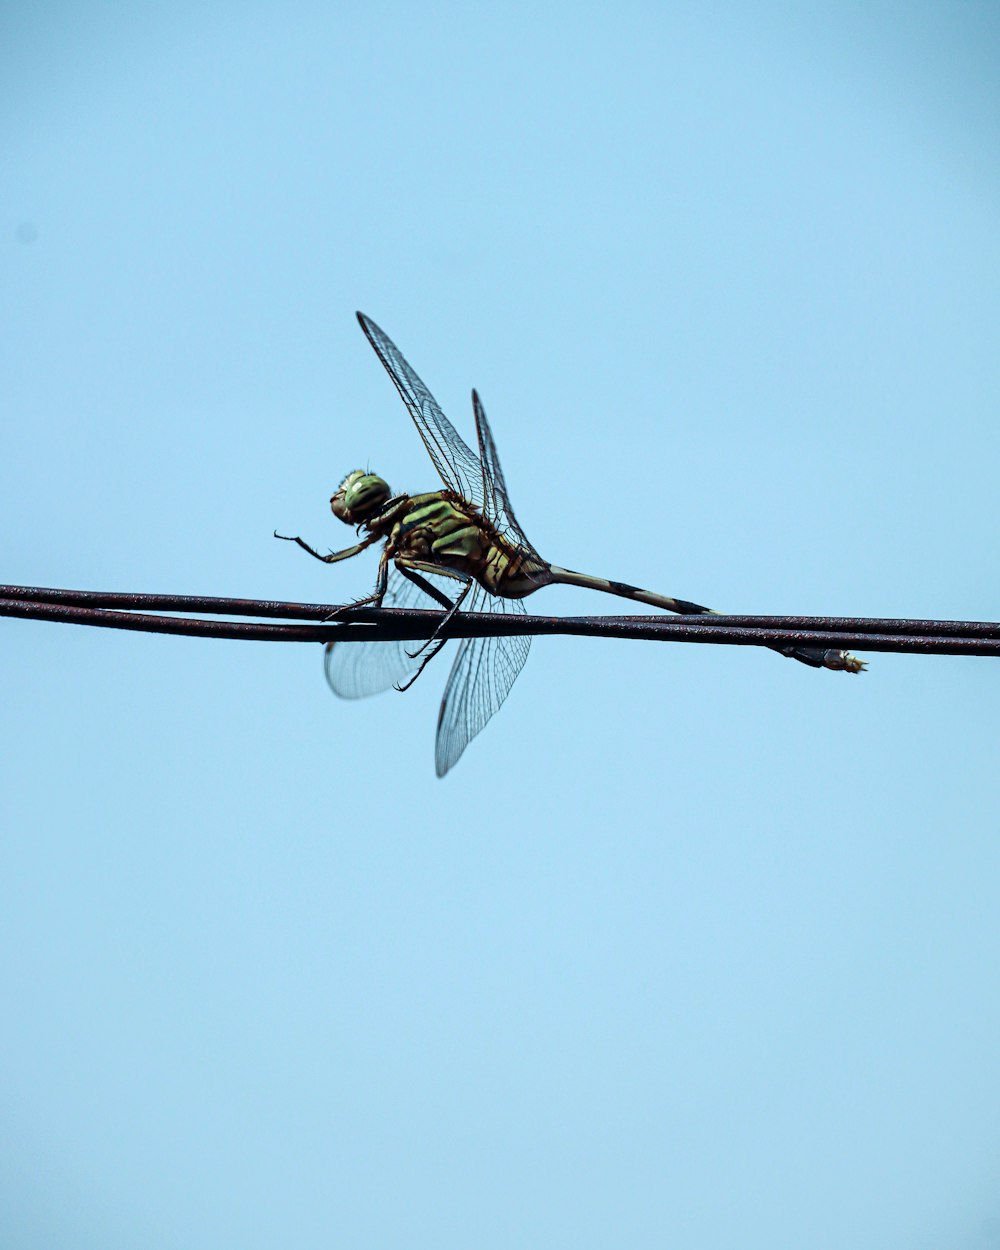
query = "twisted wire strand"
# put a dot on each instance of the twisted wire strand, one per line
(142, 613)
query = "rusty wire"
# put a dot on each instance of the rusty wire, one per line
(116, 610)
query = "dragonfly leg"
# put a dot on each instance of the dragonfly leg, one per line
(375, 598)
(334, 556)
(423, 663)
(407, 564)
(437, 595)
(434, 643)
(435, 637)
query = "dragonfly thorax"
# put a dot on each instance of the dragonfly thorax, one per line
(359, 497)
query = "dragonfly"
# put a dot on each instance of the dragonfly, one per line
(460, 547)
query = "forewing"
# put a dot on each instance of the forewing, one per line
(358, 669)
(497, 506)
(480, 679)
(456, 463)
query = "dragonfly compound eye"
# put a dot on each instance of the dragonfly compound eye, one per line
(359, 497)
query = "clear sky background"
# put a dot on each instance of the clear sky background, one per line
(696, 947)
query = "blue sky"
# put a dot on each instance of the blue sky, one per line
(695, 947)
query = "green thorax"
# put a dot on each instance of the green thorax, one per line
(440, 528)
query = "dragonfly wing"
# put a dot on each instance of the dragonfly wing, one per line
(358, 669)
(497, 504)
(457, 464)
(480, 679)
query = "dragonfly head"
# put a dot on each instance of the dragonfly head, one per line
(359, 496)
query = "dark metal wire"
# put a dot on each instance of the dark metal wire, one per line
(115, 610)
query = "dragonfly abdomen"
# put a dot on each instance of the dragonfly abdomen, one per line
(513, 572)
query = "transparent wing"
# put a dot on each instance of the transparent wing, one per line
(457, 465)
(480, 679)
(497, 504)
(358, 669)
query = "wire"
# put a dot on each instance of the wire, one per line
(117, 610)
